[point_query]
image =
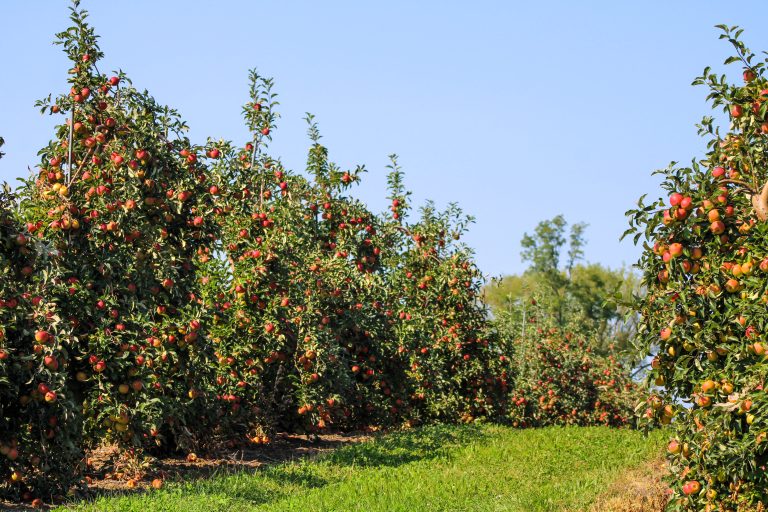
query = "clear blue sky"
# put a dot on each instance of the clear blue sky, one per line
(517, 110)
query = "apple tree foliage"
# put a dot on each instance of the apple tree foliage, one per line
(704, 318)
(121, 200)
(39, 416)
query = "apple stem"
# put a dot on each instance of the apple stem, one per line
(253, 161)
(69, 145)
(80, 166)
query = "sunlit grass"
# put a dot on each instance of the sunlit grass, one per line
(468, 468)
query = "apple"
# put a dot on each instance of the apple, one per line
(675, 250)
(691, 487)
(708, 386)
(674, 447)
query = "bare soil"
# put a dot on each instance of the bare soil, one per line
(637, 490)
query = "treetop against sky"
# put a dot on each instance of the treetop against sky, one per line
(517, 110)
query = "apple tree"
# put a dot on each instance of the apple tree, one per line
(704, 317)
(122, 198)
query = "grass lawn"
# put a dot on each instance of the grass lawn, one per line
(468, 468)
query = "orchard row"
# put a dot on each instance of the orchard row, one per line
(163, 295)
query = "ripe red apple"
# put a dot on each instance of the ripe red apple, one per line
(674, 446)
(732, 286)
(696, 253)
(736, 111)
(691, 487)
(51, 362)
(675, 249)
(717, 227)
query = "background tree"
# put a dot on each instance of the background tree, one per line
(565, 290)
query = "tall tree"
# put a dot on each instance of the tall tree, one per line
(568, 292)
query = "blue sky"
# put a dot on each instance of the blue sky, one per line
(516, 110)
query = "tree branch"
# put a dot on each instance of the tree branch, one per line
(760, 203)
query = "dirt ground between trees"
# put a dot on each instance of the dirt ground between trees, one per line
(641, 489)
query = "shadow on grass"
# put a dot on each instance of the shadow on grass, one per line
(273, 482)
(400, 448)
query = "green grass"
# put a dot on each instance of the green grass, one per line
(469, 468)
